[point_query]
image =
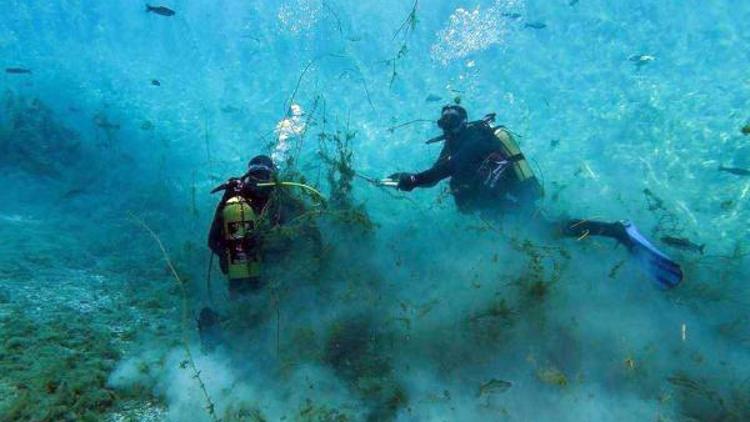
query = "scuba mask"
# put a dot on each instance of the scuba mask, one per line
(453, 118)
(258, 173)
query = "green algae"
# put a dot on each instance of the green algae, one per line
(357, 351)
(56, 370)
(701, 398)
(47, 148)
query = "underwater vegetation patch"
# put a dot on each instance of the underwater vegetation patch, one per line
(700, 398)
(34, 139)
(57, 370)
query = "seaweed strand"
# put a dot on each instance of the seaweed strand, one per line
(211, 406)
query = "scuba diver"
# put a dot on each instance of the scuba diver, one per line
(245, 233)
(489, 174)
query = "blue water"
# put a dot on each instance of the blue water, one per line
(626, 109)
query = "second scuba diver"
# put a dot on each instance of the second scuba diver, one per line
(489, 173)
(245, 233)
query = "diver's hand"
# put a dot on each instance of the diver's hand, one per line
(406, 181)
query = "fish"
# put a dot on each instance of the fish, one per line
(17, 70)
(553, 143)
(102, 122)
(683, 243)
(107, 125)
(432, 98)
(160, 10)
(155, 82)
(535, 25)
(572, 2)
(147, 125)
(73, 193)
(511, 15)
(494, 386)
(745, 129)
(229, 109)
(735, 170)
(641, 59)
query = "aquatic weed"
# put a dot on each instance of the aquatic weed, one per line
(405, 30)
(210, 406)
(57, 373)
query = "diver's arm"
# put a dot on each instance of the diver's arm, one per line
(215, 235)
(434, 174)
(428, 178)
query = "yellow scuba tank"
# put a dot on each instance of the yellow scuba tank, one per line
(239, 222)
(519, 165)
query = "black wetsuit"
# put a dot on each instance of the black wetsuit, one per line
(482, 180)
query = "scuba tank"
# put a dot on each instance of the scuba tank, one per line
(518, 163)
(240, 222)
(239, 225)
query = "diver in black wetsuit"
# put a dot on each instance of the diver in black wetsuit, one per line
(489, 174)
(260, 170)
(251, 227)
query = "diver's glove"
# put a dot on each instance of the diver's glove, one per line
(406, 181)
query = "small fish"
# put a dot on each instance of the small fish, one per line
(17, 70)
(354, 38)
(572, 2)
(73, 193)
(160, 10)
(511, 15)
(535, 25)
(683, 243)
(147, 125)
(745, 129)
(432, 98)
(735, 170)
(155, 82)
(102, 122)
(554, 143)
(641, 59)
(109, 126)
(494, 386)
(229, 109)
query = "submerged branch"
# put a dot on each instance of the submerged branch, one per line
(411, 122)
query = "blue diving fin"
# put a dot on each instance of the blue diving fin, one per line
(661, 268)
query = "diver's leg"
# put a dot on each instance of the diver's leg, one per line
(657, 264)
(209, 329)
(582, 228)
(242, 287)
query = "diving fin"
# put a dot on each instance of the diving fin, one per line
(656, 264)
(209, 329)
